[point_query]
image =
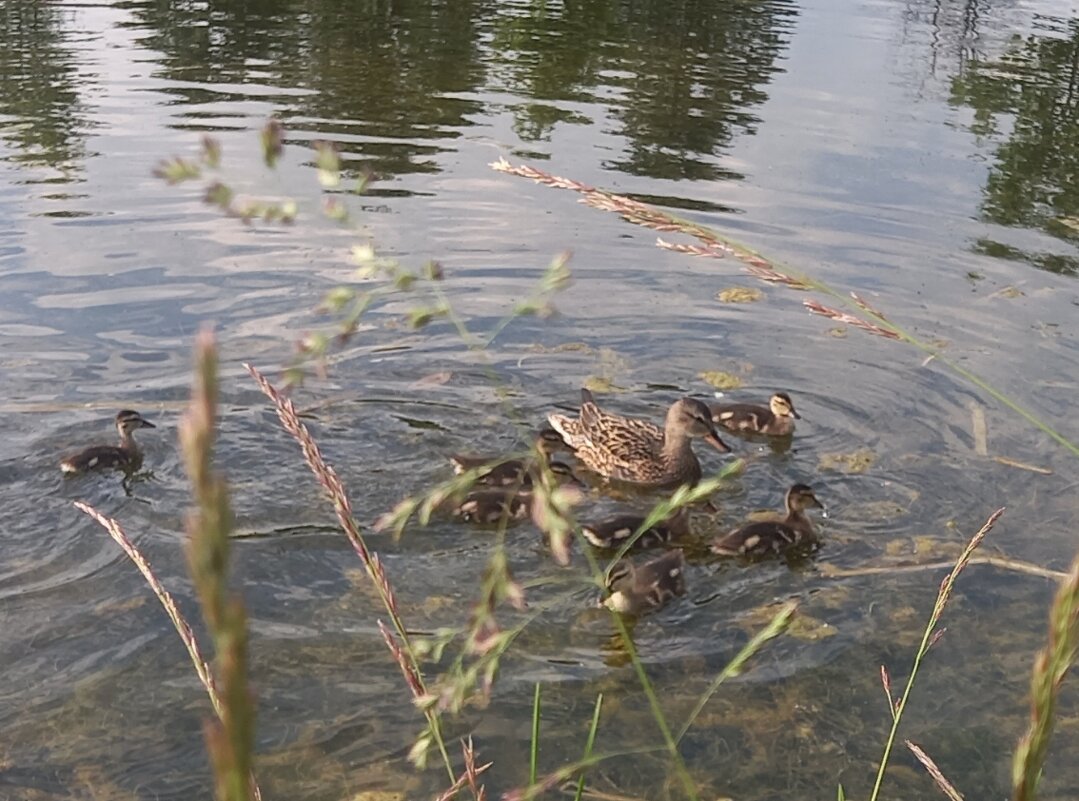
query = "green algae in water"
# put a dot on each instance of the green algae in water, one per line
(739, 294)
(720, 379)
(854, 462)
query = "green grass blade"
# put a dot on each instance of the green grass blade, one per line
(588, 745)
(533, 754)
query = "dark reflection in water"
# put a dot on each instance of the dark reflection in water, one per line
(1029, 98)
(42, 117)
(680, 78)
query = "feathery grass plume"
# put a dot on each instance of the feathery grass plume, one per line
(335, 489)
(945, 786)
(766, 270)
(183, 628)
(469, 776)
(1050, 668)
(849, 319)
(929, 638)
(230, 740)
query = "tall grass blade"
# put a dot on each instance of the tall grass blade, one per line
(589, 744)
(533, 752)
(776, 626)
(1050, 668)
(230, 739)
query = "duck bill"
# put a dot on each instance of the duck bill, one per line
(795, 414)
(146, 424)
(712, 438)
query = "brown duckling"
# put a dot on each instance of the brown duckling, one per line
(125, 456)
(774, 536)
(775, 420)
(517, 472)
(489, 506)
(612, 532)
(635, 589)
(637, 451)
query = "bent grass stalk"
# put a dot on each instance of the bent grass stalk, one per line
(717, 246)
(327, 477)
(929, 638)
(183, 628)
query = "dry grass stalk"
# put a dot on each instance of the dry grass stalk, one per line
(230, 739)
(929, 638)
(335, 489)
(1050, 669)
(411, 679)
(766, 272)
(816, 307)
(187, 636)
(714, 250)
(468, 776)
(472, 771)
(863, 304)
(945, 786)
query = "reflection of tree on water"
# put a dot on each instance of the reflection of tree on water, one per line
(1032, 182)
(38, 88)
(399, 75)
(378, 72)
(685, 74)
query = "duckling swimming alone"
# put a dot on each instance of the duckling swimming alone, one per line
(774, 536)
(125, 456)
(635, 589)
(637, 451)
(613, 531)
(776, 420)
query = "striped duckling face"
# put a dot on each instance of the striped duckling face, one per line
(128, 421)
(782, 406)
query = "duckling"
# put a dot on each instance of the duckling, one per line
(125, 456)
(517, 472)
(635, 589)
(774, 536)
(636, 451)
(489, 506)
(613, 531)
(777, 420)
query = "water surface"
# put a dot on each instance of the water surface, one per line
(921, 154)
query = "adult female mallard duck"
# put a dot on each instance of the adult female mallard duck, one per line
(636, 451)
(125, 456)
(613, 531)
(774, 536)
(517, 472)
(776, 420)
(634, 589)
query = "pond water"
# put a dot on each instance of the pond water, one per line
(922, 154)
